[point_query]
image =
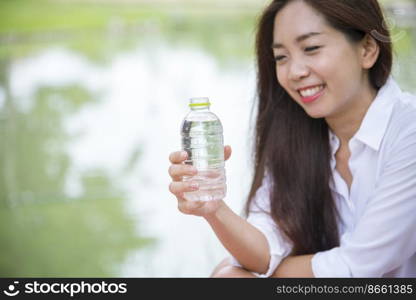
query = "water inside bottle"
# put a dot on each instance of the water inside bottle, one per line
(203, 142)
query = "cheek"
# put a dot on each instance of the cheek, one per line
(325, 66)
(283, 80)
(339, 66)
(281, 77)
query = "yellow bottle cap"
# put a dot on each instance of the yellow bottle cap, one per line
(200, 101)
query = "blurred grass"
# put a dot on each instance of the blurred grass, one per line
(31, 16)
(43, 15)
(100, 29)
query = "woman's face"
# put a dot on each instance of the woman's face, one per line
(320, 69)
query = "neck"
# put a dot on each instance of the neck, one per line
(347, 122)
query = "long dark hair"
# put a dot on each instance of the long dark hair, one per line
(294, 148)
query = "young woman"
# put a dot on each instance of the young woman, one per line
(334, 188)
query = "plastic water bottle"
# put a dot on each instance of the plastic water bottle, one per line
(202, 139)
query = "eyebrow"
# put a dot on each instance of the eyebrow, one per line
(299, 38)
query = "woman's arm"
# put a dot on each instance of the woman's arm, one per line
(244, 241)
(295, 266)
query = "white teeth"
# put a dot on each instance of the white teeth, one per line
(312, 91)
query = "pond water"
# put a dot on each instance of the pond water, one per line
(78, 128)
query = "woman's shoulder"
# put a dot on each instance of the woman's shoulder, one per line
(404, 112)
(408, 99)
(402, 124)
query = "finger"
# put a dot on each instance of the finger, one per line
(178, 188)
(178, 171)
(178, 157)
(227, 152)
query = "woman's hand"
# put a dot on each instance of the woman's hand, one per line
(177, 187)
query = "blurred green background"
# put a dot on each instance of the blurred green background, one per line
(78, 185)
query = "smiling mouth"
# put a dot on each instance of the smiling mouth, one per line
(312, 93)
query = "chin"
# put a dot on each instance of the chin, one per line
(317, 114)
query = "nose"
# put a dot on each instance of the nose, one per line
(298, 70)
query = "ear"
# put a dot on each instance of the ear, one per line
(369, 52)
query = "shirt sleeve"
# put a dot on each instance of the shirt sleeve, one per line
(259, 216)
(384, 237)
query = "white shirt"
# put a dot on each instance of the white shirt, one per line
(378, 217)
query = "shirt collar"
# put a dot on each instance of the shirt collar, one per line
(376, 119)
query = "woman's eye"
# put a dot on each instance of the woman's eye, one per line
(310, 49)
(279, 57)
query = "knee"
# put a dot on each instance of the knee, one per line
(232, 272)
